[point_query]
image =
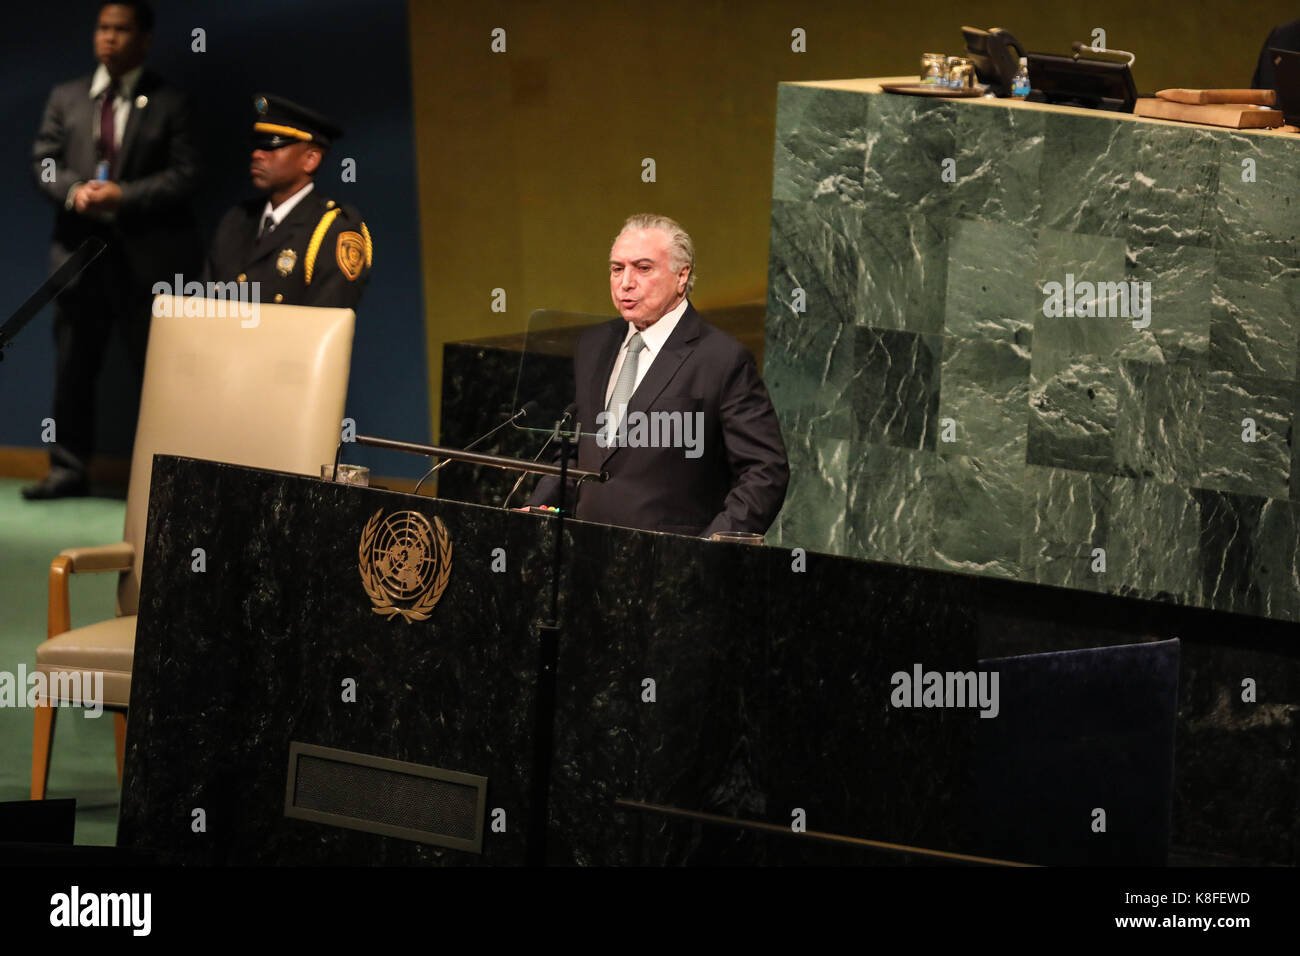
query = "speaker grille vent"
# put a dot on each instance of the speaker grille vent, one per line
(406, 800)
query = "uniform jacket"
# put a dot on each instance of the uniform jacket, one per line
(281, 259)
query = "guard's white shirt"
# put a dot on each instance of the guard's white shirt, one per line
(278, 213)
(654, 338)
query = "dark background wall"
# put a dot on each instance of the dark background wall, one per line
(349, 60)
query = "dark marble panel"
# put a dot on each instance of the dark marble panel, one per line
(1073, 407)
(1087, 258)
(890, 515)
(234, 663)
(1066, 197)
(904, 268)
(1141, 181)
(1236, 780)
(1066, 521)
(821, 148)
(908, 140)
(807, 370)
(769, 690)
(834, 746)
(1256, 300)
(979, 504)
(1229, 533)
(988, 296)
(998, 156)
(814, 513)
(1256, 205)
(1231, 459)
(1158, 426)
(1153, 541)
(895, 387)
(815, 248)
(985, 396)
(1180, 278)
(760, 708)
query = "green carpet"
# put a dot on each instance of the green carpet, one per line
(83, 764)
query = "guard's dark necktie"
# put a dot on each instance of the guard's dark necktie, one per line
(107, 132)
(268, 225)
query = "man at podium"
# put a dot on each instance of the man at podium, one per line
(683, 423)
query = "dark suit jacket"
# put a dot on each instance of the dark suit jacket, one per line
(738, 482)
(278, 260)
(1284, 37)
(157, 168)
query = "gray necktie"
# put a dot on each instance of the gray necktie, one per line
(626, 383)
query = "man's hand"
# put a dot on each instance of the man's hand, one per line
(98, 198)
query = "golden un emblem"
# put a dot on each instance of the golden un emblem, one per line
(404, 558)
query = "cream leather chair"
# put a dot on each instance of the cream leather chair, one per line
(216, 386)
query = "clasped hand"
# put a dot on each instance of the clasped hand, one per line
(97, 198)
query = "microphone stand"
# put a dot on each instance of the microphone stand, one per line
(86, 253)
(548, 649)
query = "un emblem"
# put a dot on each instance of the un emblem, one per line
(404, 558)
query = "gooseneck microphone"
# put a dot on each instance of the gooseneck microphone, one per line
(564, 420)
(529, 408)
(1080, 48)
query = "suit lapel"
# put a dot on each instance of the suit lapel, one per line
(82, 117)
(134, 118)
(670, 358)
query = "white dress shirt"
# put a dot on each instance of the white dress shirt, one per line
(121, 103)
(654, 338)
(278, 213)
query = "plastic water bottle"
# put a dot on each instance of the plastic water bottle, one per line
(1020, 83)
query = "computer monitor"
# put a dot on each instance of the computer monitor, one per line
(1076, 81)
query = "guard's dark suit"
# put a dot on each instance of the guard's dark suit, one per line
(152, 237)
(737, 484)
(332, 274)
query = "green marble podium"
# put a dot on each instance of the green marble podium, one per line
(936, 416)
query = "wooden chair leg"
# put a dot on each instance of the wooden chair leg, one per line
(119, 733)
(42, 745)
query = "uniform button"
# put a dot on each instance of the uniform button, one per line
(329, 204)
(241, 277)
(279, 297)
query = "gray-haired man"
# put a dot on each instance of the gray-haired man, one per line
(686, 429)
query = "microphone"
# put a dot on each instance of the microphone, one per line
(1080, 48)
(564, 420)
(529, 408)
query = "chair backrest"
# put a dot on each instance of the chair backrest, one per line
(266, 391)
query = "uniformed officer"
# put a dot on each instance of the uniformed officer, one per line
(304, 248)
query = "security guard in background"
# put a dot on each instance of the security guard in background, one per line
(304, 248)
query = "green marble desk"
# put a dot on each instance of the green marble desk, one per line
(936, 417)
